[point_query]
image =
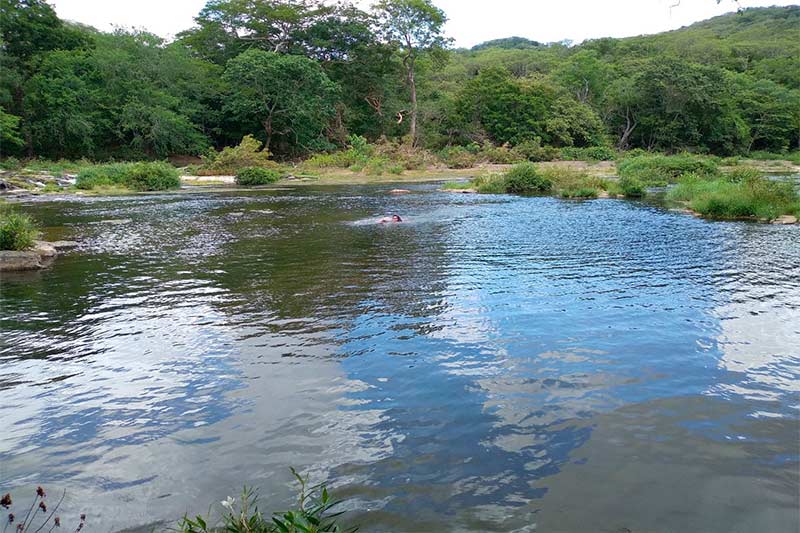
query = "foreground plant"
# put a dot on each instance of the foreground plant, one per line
(312, 514)
(33, 521)
(17, 231)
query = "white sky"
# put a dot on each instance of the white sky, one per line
(471, 21)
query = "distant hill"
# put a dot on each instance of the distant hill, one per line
(508, 43)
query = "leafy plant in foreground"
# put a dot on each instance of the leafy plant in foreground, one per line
(32, 521)
(312, 514)
(17, 231)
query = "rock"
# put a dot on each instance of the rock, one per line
(44, 249)
(64, 245)
(785, 219)
(11, 261)
(603, 194)
(461, 191)
(399, 191)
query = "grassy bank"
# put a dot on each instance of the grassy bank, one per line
(18, 231)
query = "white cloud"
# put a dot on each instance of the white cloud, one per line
(471, 21)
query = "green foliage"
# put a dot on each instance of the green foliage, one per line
(534, 151)
(569, 183)
(143, 176)
(289, 97)
(661, 169)
(590, 153)
(10, 163)
(738, 175)
(754, 197)
(524, 178)
(458, 157)
(17, 231)
(248, 153)
(632, 187)
(253, 176)
(313, 514)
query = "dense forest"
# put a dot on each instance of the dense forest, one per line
(302, 76)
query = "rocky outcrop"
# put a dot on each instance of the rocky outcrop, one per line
(39, 256)
(12, 261)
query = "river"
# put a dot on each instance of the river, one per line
(494, 363)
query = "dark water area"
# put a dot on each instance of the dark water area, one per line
(492, 364)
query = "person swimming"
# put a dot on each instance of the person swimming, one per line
(394, 219)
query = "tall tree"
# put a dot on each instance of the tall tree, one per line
(289, 97)
(415, 27)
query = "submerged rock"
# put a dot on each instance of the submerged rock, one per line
(13, 261)
(399, 191)
(785, 219)
(64, 245)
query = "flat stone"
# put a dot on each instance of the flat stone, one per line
(64, 245)
(785, 219)
(603, 194)
(44, 249)
(399, 191)
(12, 261)
(461, 191)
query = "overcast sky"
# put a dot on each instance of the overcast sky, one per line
(471, 21)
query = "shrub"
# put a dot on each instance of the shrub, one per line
(10, 163)
(252, 176)
(152, 176)
(534, 151)
(662, 169)
(17, 231)
(574, 184)
(490, 184)
(525, 179)
(591, 153)
(579, 192)
(458, 157)
(312, 515)
(143, 176)
(632, 187)
(248, 153)
(499, 155)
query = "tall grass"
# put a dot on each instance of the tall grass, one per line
(751, 198)
(17, 231)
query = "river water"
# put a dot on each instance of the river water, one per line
(494, 363)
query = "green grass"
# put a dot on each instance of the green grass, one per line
(17, 231)
(591, 153)
(142, 176)
(794, 156)
(525, 178)
(752, 198)
(664, 169)
(632, 187)
(254, 176)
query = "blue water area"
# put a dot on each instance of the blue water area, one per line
(493, 363)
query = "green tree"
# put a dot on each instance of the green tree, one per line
(414, 27)
(290, 97)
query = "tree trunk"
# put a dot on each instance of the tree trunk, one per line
(268, 130)
(413, 85)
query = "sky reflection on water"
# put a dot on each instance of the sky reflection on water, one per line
(496, 363)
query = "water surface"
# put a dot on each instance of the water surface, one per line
(493, 364)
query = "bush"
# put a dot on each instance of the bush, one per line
(17, 231)
(230, 160)
(534, 151)
(574, 184)
(632, 187)
(252, 176)
(10, 163)
(490, 184)
(662, 169)
(143, 176)
(525, 179)
(152, 176)
(458, 157)
(499, 155)
(752, 198)
(579, 192)
(591, 153)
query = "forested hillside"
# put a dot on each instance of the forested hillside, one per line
(302, 76)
